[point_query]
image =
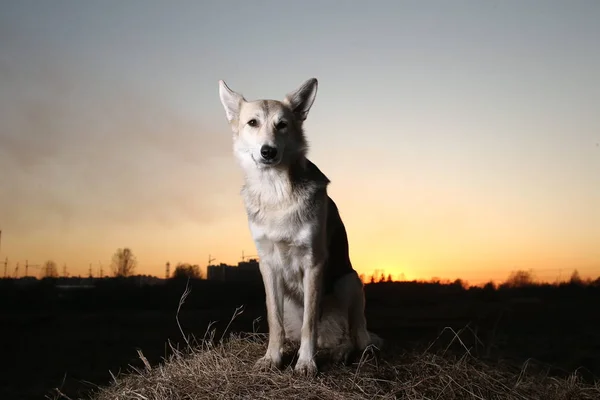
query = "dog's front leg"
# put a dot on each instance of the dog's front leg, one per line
(273, 358)
(306, 363)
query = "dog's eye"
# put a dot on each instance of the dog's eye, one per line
(253, 122)
(281, 125)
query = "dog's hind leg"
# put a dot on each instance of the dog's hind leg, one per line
(292, 319)
(357, 323)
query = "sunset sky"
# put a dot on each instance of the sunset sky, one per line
(462, 138)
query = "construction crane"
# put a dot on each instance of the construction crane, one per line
(210, 259)
(244, 257)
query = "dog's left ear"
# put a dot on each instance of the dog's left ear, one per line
(302, 98)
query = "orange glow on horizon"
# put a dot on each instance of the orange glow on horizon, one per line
(443, 166)
(417, 259)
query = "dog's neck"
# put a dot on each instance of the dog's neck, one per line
(281, 177)
(279, 187)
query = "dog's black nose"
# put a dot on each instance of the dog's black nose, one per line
(268, 153)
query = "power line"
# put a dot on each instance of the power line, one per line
(27, 266)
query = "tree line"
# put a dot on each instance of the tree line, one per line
(123, 264)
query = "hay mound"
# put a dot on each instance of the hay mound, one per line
(224, 371)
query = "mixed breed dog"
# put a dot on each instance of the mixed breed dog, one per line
(313, 294)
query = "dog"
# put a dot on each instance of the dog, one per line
(313, 294)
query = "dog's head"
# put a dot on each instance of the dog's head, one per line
(268, 133)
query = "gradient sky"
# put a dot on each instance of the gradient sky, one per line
(462, 138)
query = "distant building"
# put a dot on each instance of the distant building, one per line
(245, 271)
(249, 271)
(216, 272)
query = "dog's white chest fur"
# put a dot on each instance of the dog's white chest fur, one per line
(281, 231)
(276, 214)
(283, 239)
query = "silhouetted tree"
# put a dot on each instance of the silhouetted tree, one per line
(389, 278)
(187, 271)
(460, 283)
(123, 263)
(520, 279)
(576, 278)
(49, 270)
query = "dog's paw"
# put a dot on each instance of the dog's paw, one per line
(343, 354)
(267, 363)
(306, 368)
(376, 340)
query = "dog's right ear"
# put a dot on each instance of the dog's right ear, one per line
(231, 101)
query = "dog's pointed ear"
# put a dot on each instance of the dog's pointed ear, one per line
(231, 101)
(302, 98)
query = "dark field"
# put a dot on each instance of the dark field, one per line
(71, 339)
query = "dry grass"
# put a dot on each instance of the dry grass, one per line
(215, 368)
(224, 371)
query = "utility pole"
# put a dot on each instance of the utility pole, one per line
(17, 270)
(27, 265)
(6, 261)
(65, 271)
(210, 259)
(5, 267)
(101, 271)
